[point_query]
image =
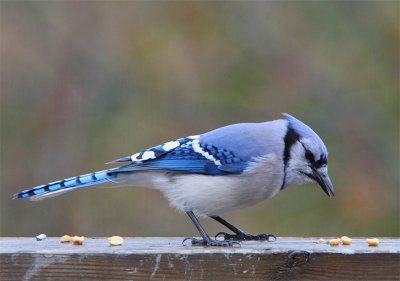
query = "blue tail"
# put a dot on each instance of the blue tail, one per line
(61, 186)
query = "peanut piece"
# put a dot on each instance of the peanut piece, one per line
(334, 242)
(115, 240)
(346, 240)
(78, 240)
(373, 241)
(321, 240)
(65, 239)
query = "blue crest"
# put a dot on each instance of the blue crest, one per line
(305, 131)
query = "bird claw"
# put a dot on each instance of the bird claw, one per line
(226, 235)
(211, 242)
(246, 236)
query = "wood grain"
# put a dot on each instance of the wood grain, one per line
(167, 259)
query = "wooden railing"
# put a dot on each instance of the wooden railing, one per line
(167, 259)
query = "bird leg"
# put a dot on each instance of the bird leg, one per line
(206, 241)
(239, 234)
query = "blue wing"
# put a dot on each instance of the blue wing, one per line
(186, 155)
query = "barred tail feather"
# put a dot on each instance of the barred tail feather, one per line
(59, 187)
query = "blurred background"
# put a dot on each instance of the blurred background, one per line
(86, 82)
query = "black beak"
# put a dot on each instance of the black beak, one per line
(324, 181)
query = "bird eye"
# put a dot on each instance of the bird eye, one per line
(309, 156)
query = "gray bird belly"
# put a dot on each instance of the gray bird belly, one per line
(214, 195)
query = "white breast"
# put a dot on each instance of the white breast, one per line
(213, 195)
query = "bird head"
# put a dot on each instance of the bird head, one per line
(305, 156)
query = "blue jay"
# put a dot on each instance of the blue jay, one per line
(225, 169)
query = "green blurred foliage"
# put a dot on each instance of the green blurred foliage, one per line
(85, 82)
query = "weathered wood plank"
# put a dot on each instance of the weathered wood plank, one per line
(167, 258)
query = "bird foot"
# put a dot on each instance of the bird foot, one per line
(210, 242)
(245, 237)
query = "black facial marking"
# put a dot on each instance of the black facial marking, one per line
(311, 176)
(321, 162)
(309, 156)
(290, 139)
(315, 163)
